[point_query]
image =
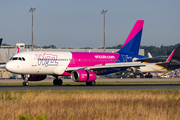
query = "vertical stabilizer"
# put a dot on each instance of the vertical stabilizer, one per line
(132, 43)
(18, 50)
(149, 55)
(170, 56)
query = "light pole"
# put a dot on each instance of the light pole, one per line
(32, 9)
(103, 12)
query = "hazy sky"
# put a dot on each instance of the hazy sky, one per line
(79, 23)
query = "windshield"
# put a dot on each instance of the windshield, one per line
(18, 58)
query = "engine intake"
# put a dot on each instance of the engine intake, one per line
(35, 77)
(83, 76)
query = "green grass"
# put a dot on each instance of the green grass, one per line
(97, 83)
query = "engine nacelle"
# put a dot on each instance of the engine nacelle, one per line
(83, 76)
(35, 77)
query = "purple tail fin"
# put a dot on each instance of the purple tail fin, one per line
(18, 50)
(132, 43)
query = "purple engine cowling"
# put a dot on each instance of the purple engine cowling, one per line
(35, 77)
(83, 76)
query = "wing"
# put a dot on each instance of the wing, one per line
(107, 66)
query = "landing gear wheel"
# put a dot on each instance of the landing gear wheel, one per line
(55, 82)
(59, 82)
(25, 77)
(25, 83)
(92, 83)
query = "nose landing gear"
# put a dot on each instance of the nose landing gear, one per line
(26, 83)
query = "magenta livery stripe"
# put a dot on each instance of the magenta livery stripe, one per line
(170, 57)
(137, 27)
(83, 59)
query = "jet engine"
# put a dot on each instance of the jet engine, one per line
(35, 77)
(83, 76)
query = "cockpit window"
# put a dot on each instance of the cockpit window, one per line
(23, 58)
(18, 58)
(15, 58)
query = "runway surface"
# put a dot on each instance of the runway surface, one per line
(97, 87)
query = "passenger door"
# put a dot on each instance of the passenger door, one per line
(34, 60)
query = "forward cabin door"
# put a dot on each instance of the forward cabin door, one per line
(34, 67)
(34, 60)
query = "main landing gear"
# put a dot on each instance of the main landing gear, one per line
(92, 83)
(57, 81)
(26, 83)
(149, 75)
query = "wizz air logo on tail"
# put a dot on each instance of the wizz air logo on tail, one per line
(47, 59)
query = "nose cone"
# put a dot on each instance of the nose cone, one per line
(9, 66)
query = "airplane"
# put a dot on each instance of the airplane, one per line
(174, 64)
(84, 66)
(157, 65)
(81, 66)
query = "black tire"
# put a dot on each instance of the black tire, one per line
(141, 76)
(55, 82)
(25, 83)
(59, 82)
(150, 76)
(92, 83)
